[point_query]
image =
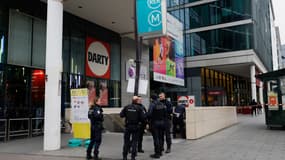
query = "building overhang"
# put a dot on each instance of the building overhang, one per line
(237, 63)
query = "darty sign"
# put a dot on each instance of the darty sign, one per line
(151, 18)
(97, 58)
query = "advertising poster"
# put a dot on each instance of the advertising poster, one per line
(103, 93)
(91, 92)
(273, 101)
(97, 58)
(168, 60)
(79, 113)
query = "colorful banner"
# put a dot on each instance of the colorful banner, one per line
(97, 58)
(168, 60)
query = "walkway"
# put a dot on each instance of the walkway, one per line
(248, 140)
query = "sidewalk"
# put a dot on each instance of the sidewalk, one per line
(248, 140)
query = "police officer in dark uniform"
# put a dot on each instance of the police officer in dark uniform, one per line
(95, 114)
(142, 125)
(133, 116)
(167, 133)
(178, 120)
(157, 115)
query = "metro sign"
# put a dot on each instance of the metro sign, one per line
(151, 18)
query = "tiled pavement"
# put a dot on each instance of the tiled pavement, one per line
(248, 140)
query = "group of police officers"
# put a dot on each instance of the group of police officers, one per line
(137, 119)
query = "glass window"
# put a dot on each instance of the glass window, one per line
(2, 93)
(77, 56)
(39, 43)
(218, 12)
(115, 62)
(20, 39)
(220, 40)
(115, 94)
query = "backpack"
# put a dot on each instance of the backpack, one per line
(159, 111)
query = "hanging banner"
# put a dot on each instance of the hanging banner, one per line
(79, 113)
(97, 58)
(151, 18)
(168, 61)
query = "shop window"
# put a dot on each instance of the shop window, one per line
(77, 56)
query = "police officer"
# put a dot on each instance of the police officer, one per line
(133, 116)
(157, 114)
(142, 125)
(168, 105)
(178, 120)
(95, 114)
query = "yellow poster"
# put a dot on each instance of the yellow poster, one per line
(79, 113)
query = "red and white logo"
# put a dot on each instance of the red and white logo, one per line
(97, 58)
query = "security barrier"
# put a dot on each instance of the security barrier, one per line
(18, 127)
(3, 129)
(37, 126)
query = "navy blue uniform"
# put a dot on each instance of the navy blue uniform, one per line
(142, 126)
(133, 116)
(167, 123)
(178, 120)
(95, 114)
(157, 116)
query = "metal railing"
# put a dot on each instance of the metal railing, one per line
(37, 126)
(18, 127)
(3, 129)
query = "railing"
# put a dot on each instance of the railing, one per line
(3, 129)
(18, 127)
(37, 126)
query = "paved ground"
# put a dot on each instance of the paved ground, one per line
(248, 140)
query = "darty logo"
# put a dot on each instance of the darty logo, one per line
(98, 58)
(153, 4)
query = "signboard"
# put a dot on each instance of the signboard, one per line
(168, 61)
(143, 84)
(97, 58)
(188, 101)
(79, 104)
(79, 113)
(151, 17)
(131, 70)
(272, 101)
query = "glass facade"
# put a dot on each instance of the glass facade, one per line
(262, 32)
(222, 11)
(219, 40)
(22, 74)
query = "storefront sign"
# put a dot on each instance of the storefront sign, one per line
(151, 17)
(97, 58)
(188, 101)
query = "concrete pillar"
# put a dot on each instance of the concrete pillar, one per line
(253, 82)
(261, 93)
(53, 75)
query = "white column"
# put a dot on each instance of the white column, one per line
(53, 75)
(261, 93)
(253, 82)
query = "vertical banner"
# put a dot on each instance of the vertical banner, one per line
(97, 58)
(79, 113)
(151, 18)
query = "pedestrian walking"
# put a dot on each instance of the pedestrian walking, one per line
(95, 114)
(179, 121)
(133, 116)
(253, 105)
(157, 114)
(167, 133)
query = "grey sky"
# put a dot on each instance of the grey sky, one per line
(279, 9)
